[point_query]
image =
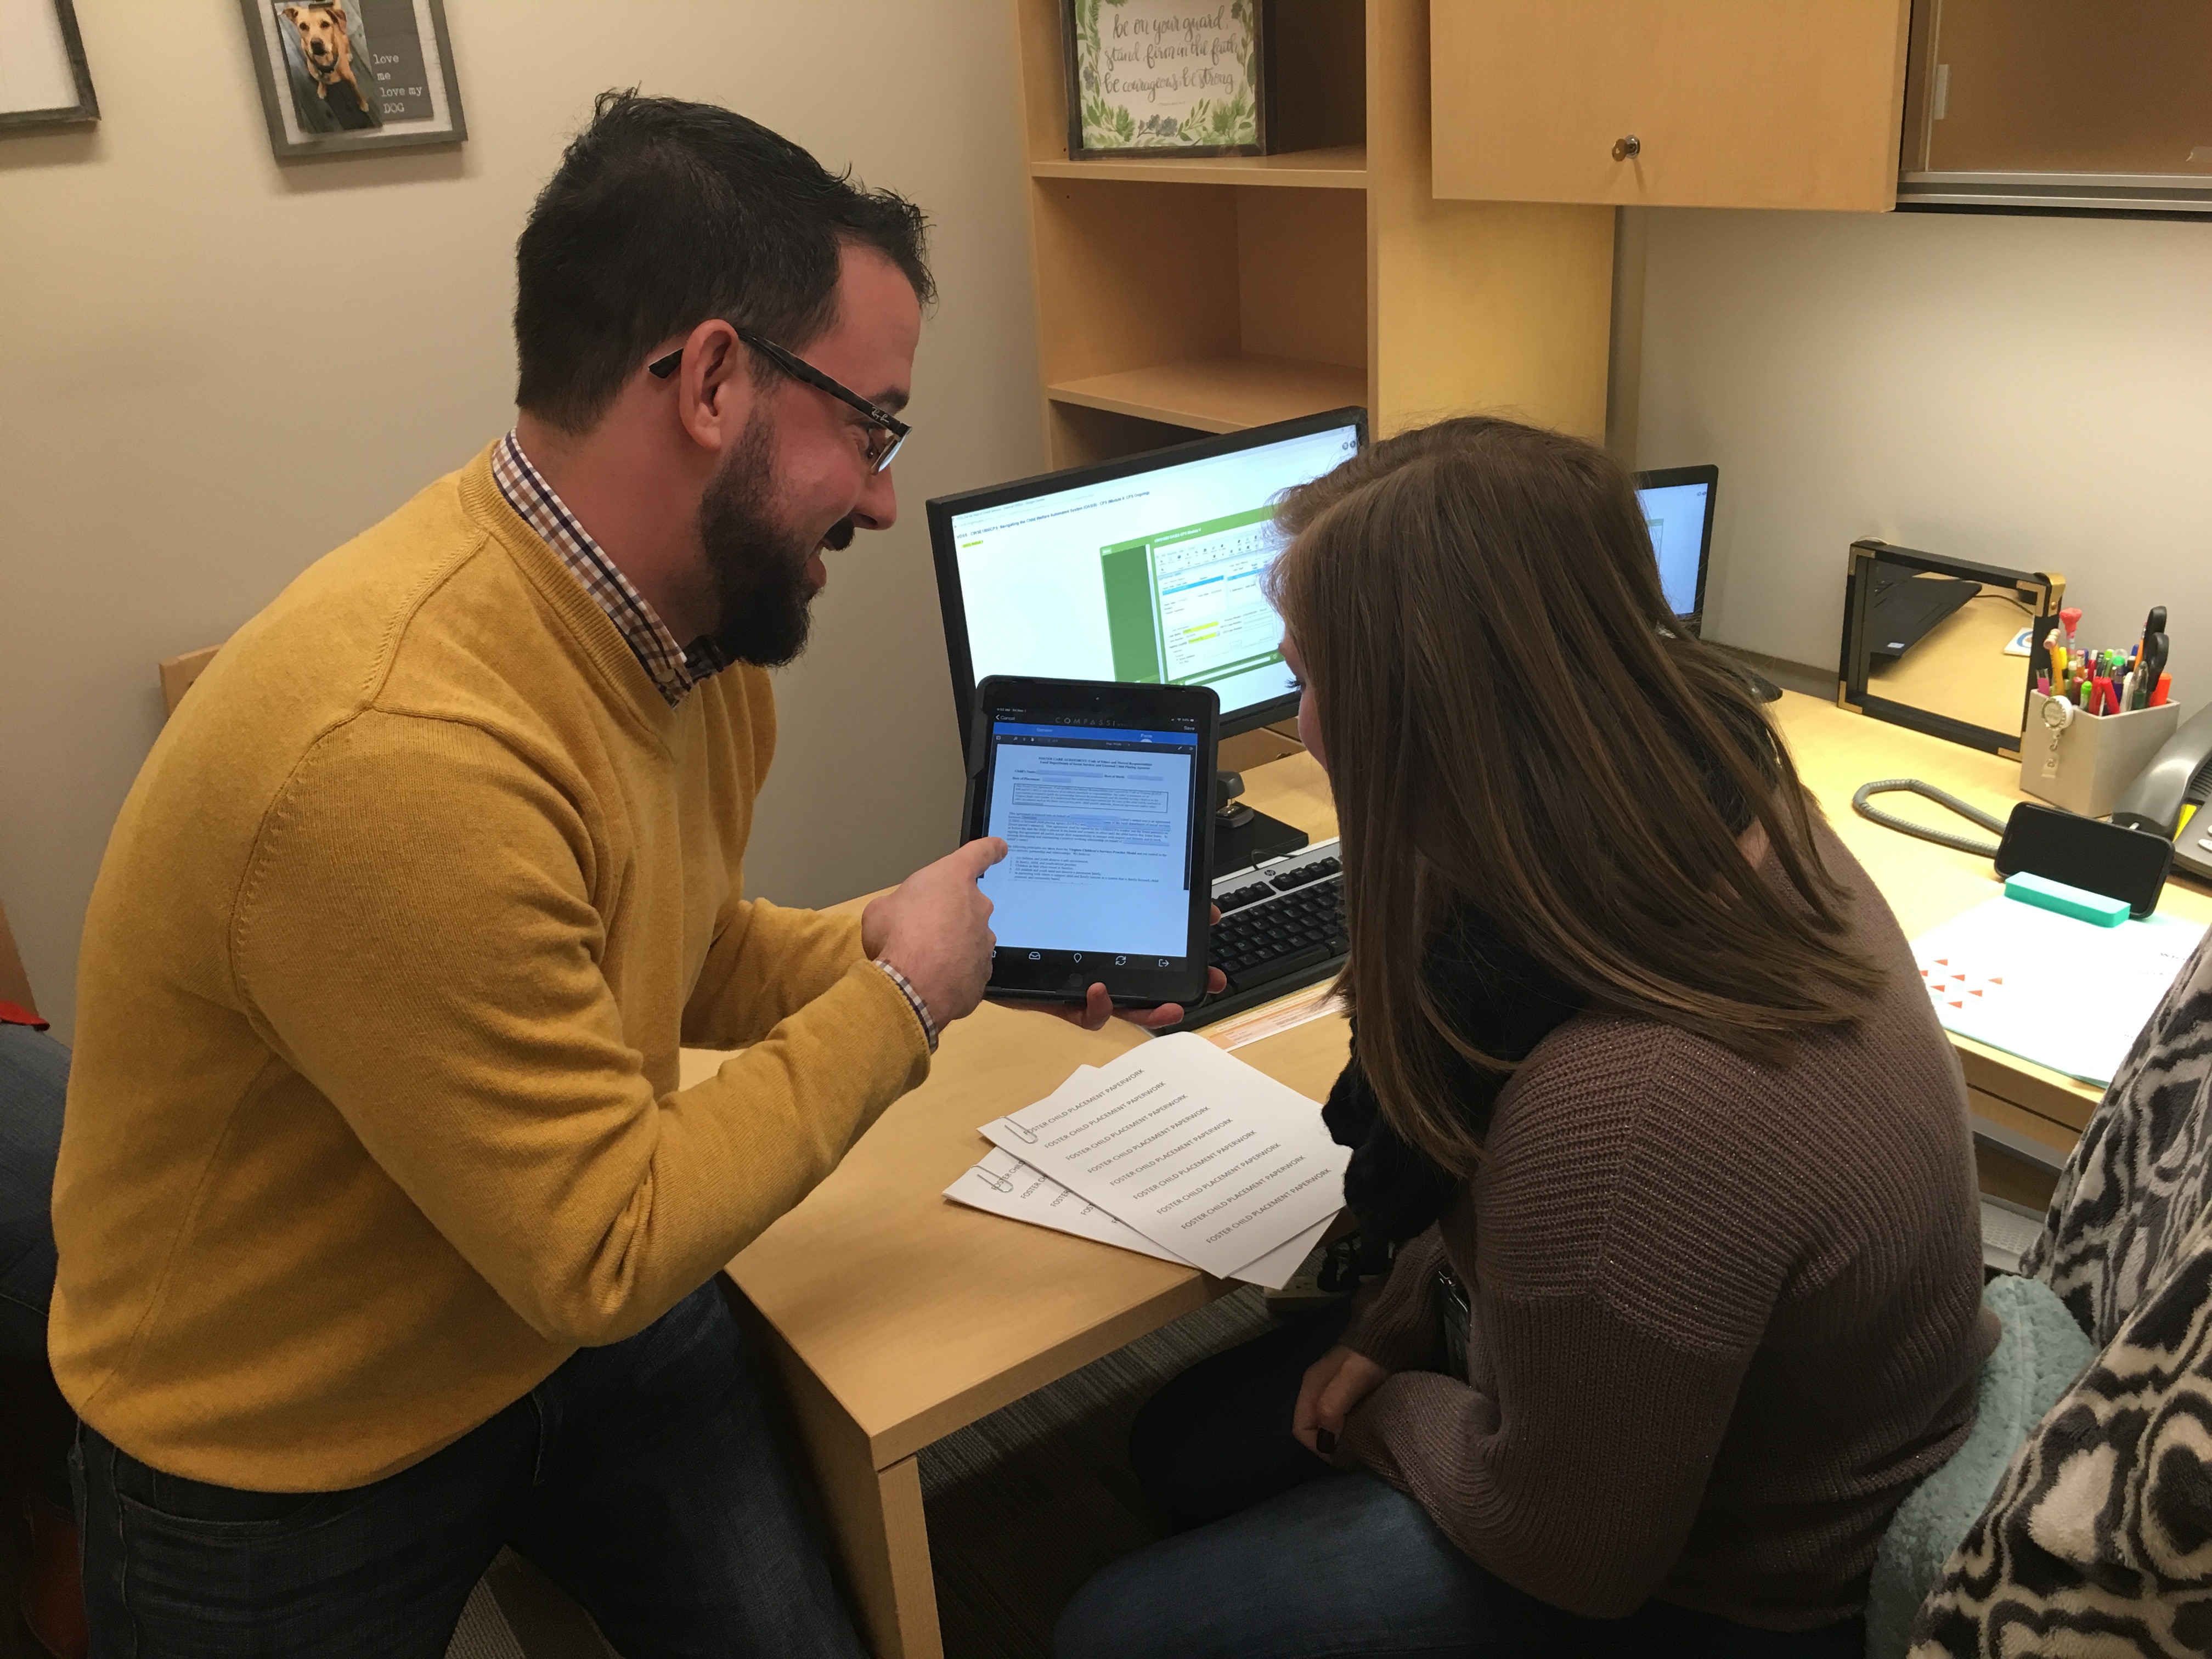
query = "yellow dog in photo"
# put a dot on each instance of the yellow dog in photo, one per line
(327, 47)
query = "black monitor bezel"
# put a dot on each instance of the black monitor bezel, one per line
(942, 509)
(1667, 477)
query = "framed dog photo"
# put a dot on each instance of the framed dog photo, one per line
(44, 83)
(342, 77)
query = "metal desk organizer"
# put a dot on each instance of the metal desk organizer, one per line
(2039, 595)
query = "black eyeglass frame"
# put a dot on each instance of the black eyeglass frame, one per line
(799, 370)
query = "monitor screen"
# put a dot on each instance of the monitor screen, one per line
(1677, 509)
(1676, 514)
(1146, 570)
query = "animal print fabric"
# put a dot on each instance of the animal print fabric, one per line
(2141, 1176)
(2099, 1541)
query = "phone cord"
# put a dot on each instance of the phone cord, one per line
(1860, 805)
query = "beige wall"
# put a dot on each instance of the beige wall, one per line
(2025, 392)
(214, 370)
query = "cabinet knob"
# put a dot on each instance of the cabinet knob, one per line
(1625, 148)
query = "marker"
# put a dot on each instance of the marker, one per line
(2165, 689)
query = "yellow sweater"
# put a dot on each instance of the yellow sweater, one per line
(374, 1118)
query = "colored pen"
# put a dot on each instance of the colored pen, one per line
(2165, 689)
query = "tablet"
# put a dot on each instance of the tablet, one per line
(1104, 793)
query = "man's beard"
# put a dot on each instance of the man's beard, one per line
(757, 566)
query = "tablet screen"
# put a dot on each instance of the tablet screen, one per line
(1097, 818)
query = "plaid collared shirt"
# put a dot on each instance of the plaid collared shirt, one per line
(672, 668)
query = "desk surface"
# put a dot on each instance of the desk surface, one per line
(919, 1315)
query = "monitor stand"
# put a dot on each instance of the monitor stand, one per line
(1242, 838)
(1240, 846)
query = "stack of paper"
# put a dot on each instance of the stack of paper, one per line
(1178, 1150)
(2064, 994)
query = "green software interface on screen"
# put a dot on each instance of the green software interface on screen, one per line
(1144, 570)
(1185, 606)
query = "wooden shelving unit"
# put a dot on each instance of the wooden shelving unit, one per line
(1185, 296)
(1340, 167)
(1218, 394)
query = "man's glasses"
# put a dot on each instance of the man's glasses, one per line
(886, 432)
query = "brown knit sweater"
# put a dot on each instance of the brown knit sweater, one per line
(1725, 1313)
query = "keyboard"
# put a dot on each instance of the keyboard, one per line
(1281, 929)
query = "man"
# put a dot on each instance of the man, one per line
(385, 1234)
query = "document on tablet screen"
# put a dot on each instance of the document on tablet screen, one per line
(1096, 825)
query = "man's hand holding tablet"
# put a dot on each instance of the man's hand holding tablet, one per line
(1098, 1005)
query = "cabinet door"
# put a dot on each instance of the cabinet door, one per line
(1673, 103)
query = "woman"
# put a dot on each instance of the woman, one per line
(1647, 1094)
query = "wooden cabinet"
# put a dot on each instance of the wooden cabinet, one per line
(1672, 103)
(1177, 296)
(2052, 103)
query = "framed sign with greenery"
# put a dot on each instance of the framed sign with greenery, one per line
(1164, 77)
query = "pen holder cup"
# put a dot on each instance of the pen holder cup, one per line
(2086, 765)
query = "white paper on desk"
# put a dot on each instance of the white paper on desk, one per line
(1003, 1185)
(2064, 994)
(1272, 1271)
(1200, 1153)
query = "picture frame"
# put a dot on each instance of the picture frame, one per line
(2037, 595)
(44, 82)
(1164, 77)
(350, 77)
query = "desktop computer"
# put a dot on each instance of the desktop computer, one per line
(1677, 509)
(1150, 569)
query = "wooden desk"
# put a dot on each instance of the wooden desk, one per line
(897, 1317)
(1837, 751)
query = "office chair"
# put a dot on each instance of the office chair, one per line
(2098, 1536)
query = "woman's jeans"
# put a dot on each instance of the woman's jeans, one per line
(1285, 1558)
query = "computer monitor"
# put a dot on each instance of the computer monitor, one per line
(1678, 506)
(1146, 569)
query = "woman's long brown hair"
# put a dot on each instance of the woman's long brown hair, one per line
(1513, 724)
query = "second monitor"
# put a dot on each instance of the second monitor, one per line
(1147, 569)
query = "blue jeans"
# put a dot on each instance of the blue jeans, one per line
(1286, 1560)
(651, 1479)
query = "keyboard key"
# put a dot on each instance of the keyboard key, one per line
(1260, 973)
